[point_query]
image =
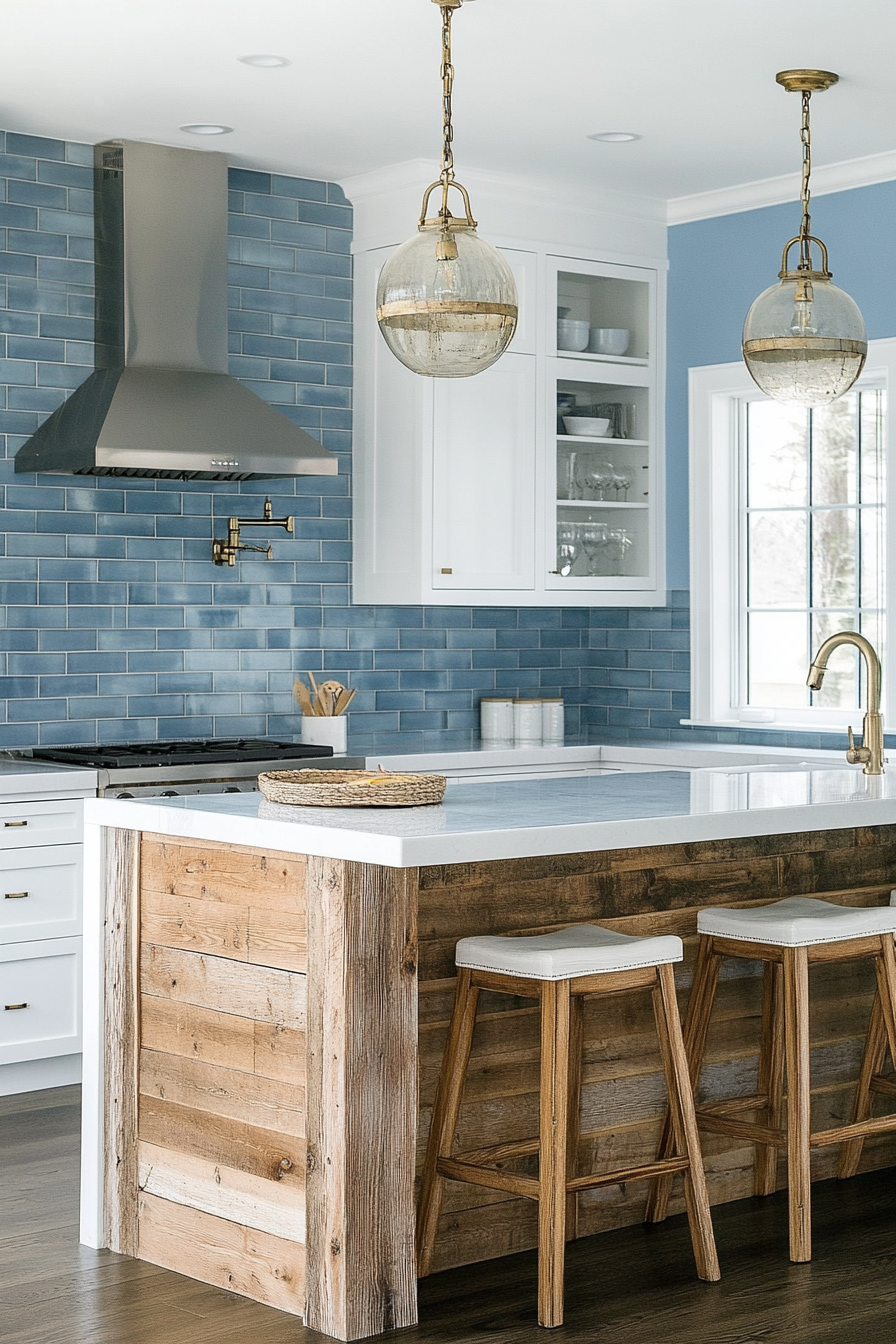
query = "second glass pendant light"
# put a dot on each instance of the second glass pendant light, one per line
(446, 299)
(804, 339)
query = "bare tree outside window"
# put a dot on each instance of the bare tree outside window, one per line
(812, 544)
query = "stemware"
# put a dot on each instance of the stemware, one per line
(567, 548)
(593, 537)
(622, 481)
(596, 478)
(617, 543)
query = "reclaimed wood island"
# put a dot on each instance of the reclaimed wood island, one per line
(268, 991)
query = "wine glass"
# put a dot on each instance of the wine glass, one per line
(593, 537)
(567, 548)
(623, 480)
(617, 543)
(599, 478)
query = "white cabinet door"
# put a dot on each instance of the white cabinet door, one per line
(40, 893)
(40, 999)
(25, 824)
(484, 478)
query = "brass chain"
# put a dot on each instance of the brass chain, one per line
(446, 176)
(805, 225)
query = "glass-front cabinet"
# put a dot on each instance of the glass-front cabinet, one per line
(535, 483)
(602, 486)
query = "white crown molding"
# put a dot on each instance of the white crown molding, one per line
(387, 203)
(826, 178)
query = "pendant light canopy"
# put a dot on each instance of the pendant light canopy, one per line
(446, 299)
(804, 339)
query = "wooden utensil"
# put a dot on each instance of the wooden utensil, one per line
(317, 708)
(344, 701)
(300, 692)
(329, 693)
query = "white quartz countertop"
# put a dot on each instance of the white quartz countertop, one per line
(39, 779)
(480, 821)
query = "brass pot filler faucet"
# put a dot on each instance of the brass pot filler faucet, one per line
(870, 754)
(225, 552)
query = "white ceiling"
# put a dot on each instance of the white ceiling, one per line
(533, 78)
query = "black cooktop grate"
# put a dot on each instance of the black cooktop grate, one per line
(217, 751)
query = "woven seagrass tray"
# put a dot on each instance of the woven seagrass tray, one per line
(350, 788)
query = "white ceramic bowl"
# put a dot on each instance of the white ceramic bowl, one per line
(586, 426)
(609, 340)
(572, 335)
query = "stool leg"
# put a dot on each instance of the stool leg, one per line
(796, 1027)
(573, 1119)
(684, 1123)
(703, 993)
(771, 1075)
(445, 1111)
(873, 1058)
(554, 1101)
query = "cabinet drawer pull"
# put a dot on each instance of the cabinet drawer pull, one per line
(15, 823)
(13, 1007)
(15, 895)
(446, 571)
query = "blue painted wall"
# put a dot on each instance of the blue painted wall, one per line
(717, 267)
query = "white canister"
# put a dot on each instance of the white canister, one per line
(526, 721)
(496, 719)
(552, 726)
(325, 730)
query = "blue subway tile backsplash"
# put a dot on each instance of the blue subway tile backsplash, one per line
(116, 624)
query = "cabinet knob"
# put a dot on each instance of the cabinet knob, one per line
(13, 1007)
(446, 571)
(15, 895)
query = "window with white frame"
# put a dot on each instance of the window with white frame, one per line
(789, 543)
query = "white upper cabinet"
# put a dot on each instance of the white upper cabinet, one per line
(483, 496)
(491, 490)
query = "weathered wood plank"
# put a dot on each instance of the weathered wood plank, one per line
(266, 1205)
(279, 1052)
(197, 1033)
(362, 1103)
(224, 1141)
(172, 920)
(261, 1102)
(121, 902)
(213, 1250)
(233, 874)
(263, 993)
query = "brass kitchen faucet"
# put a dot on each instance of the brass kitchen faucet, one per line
(225, 552)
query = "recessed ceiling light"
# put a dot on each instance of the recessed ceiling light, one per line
(264, 62)
(614, 137)
(206, 128)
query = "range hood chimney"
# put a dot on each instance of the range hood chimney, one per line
(161, 402)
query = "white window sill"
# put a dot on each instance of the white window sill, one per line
(776, 725)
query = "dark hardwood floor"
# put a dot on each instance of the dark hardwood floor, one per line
(635, 1286)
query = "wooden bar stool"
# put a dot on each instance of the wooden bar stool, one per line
(560, 969)
(788, 936)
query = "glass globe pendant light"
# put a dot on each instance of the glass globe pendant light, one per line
(804, 339)
(446, 299)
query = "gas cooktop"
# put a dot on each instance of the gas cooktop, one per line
(215, 751)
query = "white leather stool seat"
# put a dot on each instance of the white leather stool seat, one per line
(798, 921)
(585, 949)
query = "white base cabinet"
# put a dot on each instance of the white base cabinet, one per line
(475, 492)
(41, 877)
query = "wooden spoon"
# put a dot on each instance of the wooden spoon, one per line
(344, 701)
(300, 692)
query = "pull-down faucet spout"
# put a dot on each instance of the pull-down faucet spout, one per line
(870, 754)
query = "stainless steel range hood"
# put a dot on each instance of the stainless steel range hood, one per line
(161, 402)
